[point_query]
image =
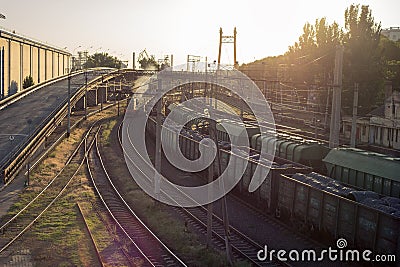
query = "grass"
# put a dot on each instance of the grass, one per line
(106, 132)
(171, 230)
(59, 237)
(103, 238)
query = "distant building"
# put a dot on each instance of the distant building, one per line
(393, 33)
(381, 126)
(79, 60)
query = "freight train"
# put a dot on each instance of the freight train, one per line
(358, 168)
(308, 200)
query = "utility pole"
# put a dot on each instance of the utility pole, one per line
(85, 103)
(336, 99)
(328, 89)
(210, 205)
(220, 47)
(133, 60)
(115, 93)
(354, 119)
(225, 218)
(235, 63)
(2, 73)
(241, 103)
(119, 94)
(106, 93)
(102, 100)
(206, 77)
(158, 142)
(69, 106)
(216, 94)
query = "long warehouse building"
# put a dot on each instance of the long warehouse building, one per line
(21, 56)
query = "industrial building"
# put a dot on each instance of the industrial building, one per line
(21, 56)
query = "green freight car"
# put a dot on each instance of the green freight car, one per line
(297, 149)
(368, 170)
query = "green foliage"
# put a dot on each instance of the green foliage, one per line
(317, 42)
(102, 60)
(363, 58)
(28, 82)
(369, 59)
(106, 132)
(148, 63)
(391, 57)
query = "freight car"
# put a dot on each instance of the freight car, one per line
(332, 216)
(265, 195)
(189, 142)
(363, 169)
(315, 203)
(369, 170)
(297, 149)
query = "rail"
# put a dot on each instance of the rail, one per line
(15, 159)
(118, 195)
(239, 238)
(90, 234)
(20, 232)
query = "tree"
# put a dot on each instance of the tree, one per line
(102, 60)
(327, 38)
(147, 63)
(28, 82)
(311, 58)
(369, 59)
(391, 57)
(363, 61)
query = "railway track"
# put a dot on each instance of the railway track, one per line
(13, 228)
(281, 128)
(242, 246)
(85, 221)
(103, 259)
(99, 211)
(142, 243)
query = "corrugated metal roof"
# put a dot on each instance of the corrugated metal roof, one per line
(365, 161)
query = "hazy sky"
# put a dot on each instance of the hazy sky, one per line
(179, 27)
